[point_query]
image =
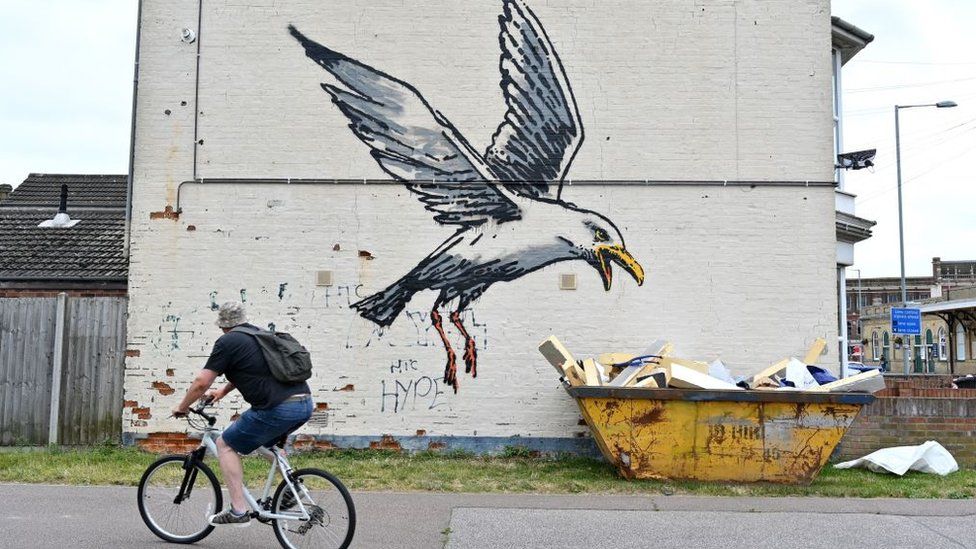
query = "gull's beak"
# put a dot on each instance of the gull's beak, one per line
(619, 255)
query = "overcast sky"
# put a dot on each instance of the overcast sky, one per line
(65, 103)
(923, 52)
(65, 86)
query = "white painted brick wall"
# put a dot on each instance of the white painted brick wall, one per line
(682, 90)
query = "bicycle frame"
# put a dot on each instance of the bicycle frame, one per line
(279, 463)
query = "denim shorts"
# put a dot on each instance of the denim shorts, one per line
(264, 427)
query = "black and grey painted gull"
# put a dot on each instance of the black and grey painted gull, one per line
(509, 220)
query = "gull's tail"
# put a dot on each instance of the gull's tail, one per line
(385, 306)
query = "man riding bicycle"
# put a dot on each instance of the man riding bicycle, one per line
(276, 408)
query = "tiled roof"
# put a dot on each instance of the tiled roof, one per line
(91, 250)
(84, 191)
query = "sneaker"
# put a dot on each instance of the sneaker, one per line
(230, 517)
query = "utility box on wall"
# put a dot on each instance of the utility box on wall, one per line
(680, 173)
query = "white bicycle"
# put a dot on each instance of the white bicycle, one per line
(309, 508)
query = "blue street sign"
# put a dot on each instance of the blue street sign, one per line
(906, 321)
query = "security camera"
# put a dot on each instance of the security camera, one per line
(857, 160)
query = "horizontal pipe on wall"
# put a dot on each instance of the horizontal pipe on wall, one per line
(579, 182)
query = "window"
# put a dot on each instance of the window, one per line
(943, 347)
(929, 351)
(874, 345)
(960, 341)
(886, 351)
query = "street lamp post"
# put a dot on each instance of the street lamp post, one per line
(901, 230)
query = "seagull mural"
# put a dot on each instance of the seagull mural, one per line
(505, 203)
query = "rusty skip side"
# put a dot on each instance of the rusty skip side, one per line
(740, 436)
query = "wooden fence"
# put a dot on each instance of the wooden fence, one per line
(80, 343)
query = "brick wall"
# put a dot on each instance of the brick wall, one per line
(911, 412)
(674, 90)
(168, 443)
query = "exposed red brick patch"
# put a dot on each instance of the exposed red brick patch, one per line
(130, 404)
(303, 442)
(191, 228)
(308, 443)
(386, 442)
(348, 387)
(170, 372)
(421, 432)
(167, 213)
(235, 416)
(321, 406)
(142, 413)
(436, 445)
(132, 352)
(365, 255)
(168, 443)
(163, 388)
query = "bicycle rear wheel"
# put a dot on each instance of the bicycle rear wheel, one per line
(171, 517)
(333, 515)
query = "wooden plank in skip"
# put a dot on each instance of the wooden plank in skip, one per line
(556, 354)
(865, 382)
(591, 374)
(815, 351)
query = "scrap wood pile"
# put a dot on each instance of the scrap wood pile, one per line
(657, 367)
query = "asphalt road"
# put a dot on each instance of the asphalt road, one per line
(89, 517)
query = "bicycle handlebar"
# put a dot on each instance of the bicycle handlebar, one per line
(211, 420)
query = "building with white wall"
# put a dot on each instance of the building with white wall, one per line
(697, 136)
(847, 40)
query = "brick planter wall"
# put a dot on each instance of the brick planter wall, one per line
(912, 411)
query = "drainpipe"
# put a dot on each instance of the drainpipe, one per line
(842, 317)
(132, 136)
(196, 91)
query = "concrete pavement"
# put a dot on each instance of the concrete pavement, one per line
(89, 517)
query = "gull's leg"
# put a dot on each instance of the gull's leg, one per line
(470, 355)
(450, 371)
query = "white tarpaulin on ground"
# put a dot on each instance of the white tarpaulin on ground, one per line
(930, 457)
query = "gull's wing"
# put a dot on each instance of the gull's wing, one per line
(542, 130)
(412, 142)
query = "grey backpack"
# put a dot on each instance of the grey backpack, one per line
(287, 359)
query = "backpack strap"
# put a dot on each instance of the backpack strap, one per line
(246, 330)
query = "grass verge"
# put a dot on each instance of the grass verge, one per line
(459, 472)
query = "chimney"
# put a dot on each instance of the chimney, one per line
(5, 190)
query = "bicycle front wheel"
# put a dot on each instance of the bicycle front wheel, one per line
(175, 501)
(328, 503)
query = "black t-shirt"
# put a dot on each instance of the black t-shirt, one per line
(238, 357)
